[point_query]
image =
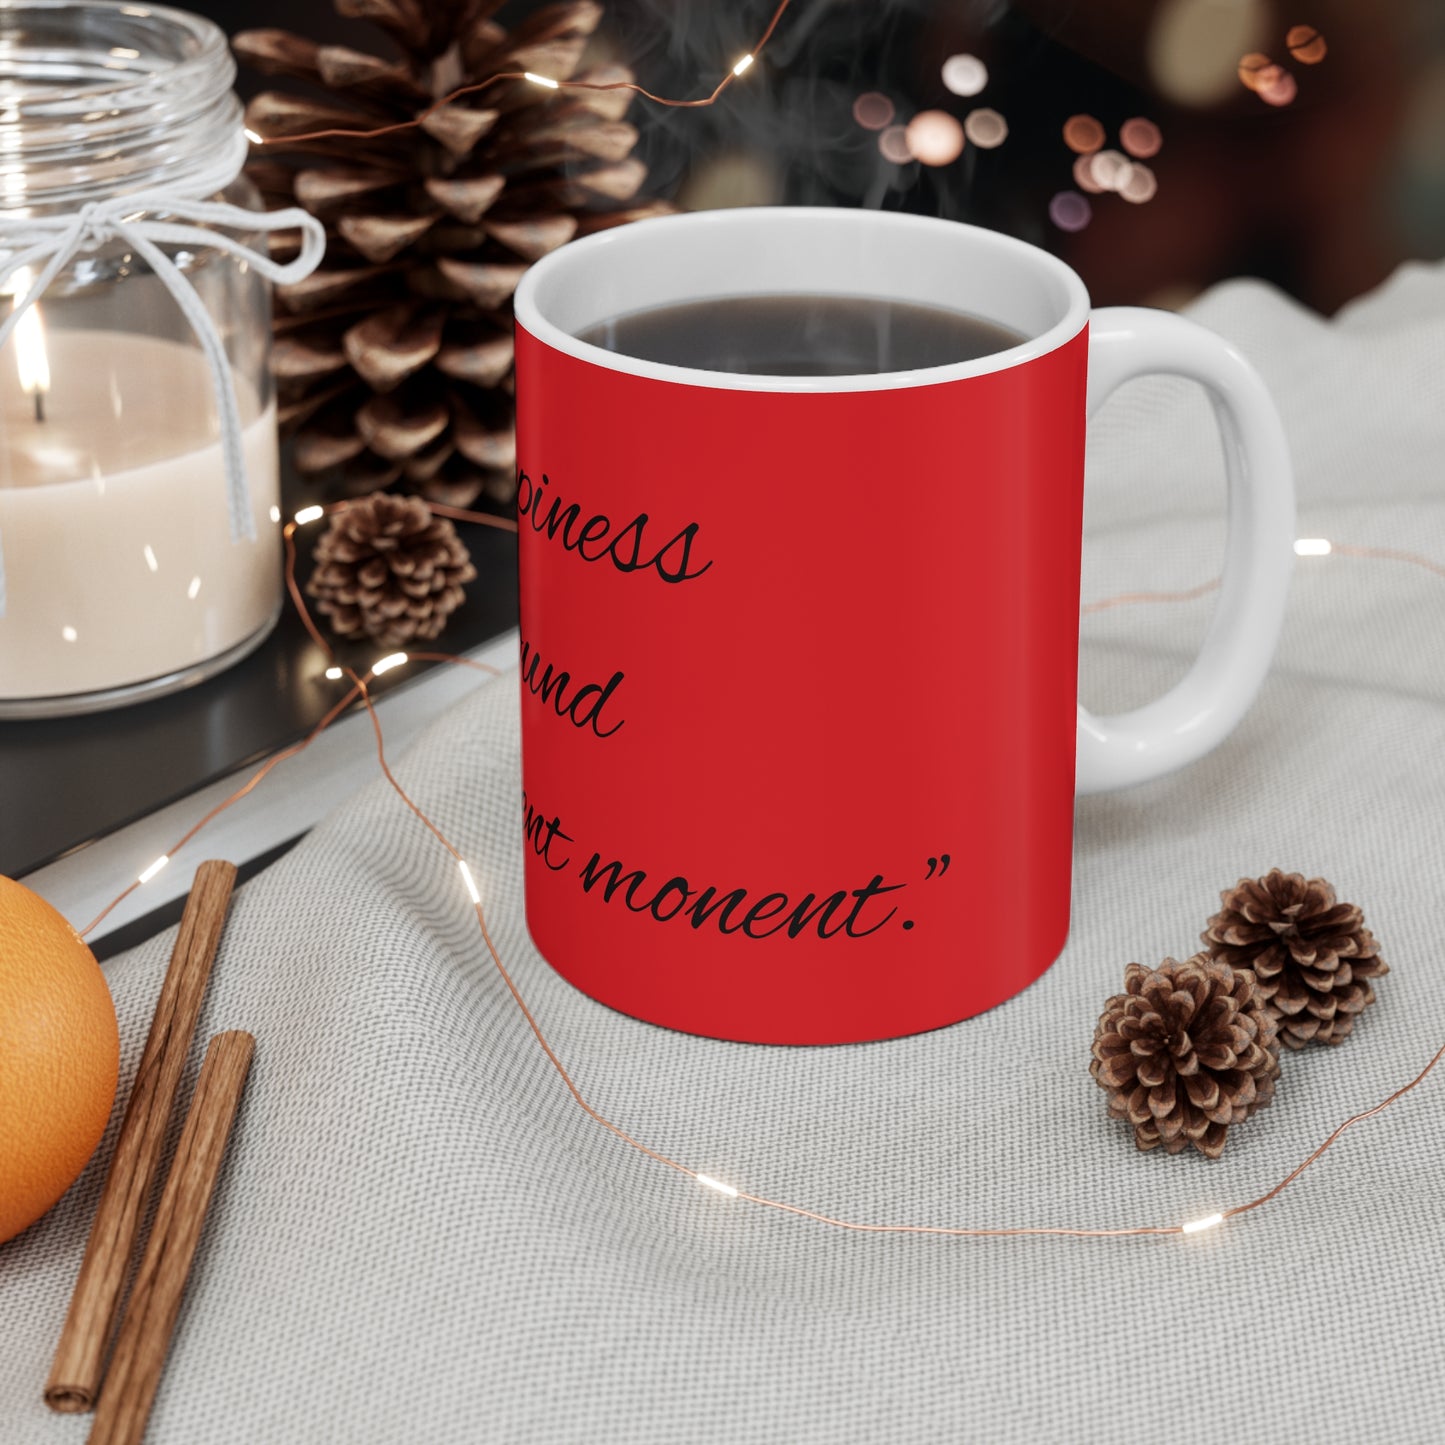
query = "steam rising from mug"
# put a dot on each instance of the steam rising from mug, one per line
(791, 136)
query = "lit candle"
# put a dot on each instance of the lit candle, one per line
(120, 564)
(139, 507)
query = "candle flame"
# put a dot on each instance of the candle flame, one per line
(31, 359)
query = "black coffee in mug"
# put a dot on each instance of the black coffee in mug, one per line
(801, 335)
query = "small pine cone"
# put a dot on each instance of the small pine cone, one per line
(1185, 1051)
(1313, 956)
(387, 569)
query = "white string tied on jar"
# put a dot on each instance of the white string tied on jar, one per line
(52, 242)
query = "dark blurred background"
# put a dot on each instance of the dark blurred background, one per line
(1319, 166)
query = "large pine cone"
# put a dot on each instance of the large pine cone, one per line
(394, 360)
(388, 570)
(1187, 1050)
(1313, 956)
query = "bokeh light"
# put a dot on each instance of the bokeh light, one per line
(1266, 76)
(1083, 134)
(1194, 46)
(1306, 44)
(1084, 175)
(1139, 185)
(1278, 87)
(893, 142)
(1070, 211)
(934, 137)
(1252, 66)
(1140, 137)
(1110, 170)
(965, 74)
(985, 128)
(872, 110)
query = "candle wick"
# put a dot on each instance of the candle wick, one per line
(39, 404)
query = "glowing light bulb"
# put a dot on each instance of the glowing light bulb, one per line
(1252, 67)
(385, 664)
(155, 868)
(333, 674)
(742, 65)
(469, 880)
(873, 110)
(1306, 44)
(1192, 47)
(309, 514)
(1277, 86)
(1139, 185)
(1110, 170)
(893, 143)
(1083, 134)
(934, 137)
(964, 74)
(1070, 211)
(1196, 1225)
(1313, 547)
(541, 80)
(985, 128)
(1141, 138)
(256, 140)
(710, 1183)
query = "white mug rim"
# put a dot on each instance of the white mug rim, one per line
(528, 307)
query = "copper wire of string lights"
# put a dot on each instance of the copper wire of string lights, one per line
(1130, 599)
(545, 81)
(360, 690)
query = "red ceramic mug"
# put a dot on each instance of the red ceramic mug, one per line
(799, 654)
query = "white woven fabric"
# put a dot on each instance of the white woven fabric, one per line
(418, 1236)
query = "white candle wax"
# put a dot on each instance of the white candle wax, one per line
(114, 521)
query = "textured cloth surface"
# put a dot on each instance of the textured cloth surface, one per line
(419, 1237)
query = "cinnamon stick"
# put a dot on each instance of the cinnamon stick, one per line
(79, 1362)
(155, 1298)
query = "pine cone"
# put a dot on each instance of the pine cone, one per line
(1185, 1051)
(394, 360)
(388, 570)
(1313, 957)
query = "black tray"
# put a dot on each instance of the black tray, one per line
(66, 781)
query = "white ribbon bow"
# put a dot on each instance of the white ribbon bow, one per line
(52, 242)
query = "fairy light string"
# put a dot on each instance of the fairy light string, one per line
(359, 691)
(545, 82)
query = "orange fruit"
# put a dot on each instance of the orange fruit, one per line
(59, 1056)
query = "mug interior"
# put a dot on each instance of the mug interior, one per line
(795, 250)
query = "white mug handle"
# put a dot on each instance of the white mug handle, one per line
(1202, 709)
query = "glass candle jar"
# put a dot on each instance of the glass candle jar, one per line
(128, 566)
